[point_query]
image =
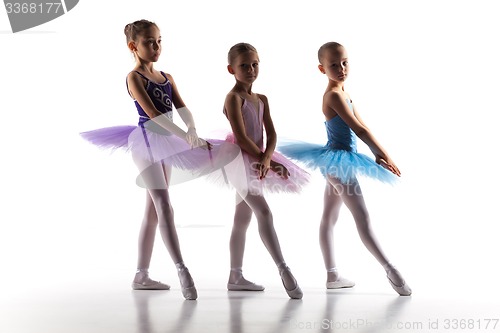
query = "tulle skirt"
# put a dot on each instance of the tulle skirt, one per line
(242, 174)
(151, 145)
(341, 164)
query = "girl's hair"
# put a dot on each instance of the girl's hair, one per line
(327, 46)
(238, 49)
(132, 30)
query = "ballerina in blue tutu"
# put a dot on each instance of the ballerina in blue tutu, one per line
(341, 164)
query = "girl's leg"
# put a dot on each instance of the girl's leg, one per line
(242, 218)
(145, 249)
(155, 177)
(331, 209)
(353, 198)
(265, 223)
(169, 235)
(268, 235)
(147, 235)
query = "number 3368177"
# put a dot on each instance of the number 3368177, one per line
(32, 8)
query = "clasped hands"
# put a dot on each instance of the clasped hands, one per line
(266, 164)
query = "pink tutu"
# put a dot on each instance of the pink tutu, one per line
(242, 174)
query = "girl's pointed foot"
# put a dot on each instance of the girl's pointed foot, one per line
(294, 291)
(187, 284)
(396, 281)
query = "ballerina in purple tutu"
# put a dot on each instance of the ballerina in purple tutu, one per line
(340, 163)
(157, 145)
(261, 169)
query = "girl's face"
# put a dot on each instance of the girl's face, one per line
(245, 67)
(148, 45)
(335, 64)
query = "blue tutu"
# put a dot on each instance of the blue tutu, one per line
(339, 157)
(342, 164)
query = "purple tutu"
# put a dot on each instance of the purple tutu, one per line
(151, 145)
(115, 137)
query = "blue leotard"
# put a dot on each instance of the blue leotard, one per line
(339, 157)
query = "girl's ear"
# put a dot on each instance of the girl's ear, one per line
(321, 69)
(131, 46)
(230, 69)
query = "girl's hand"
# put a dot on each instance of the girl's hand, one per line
(191, 136)
(388, 164)
(201, 143)
(280, 169)
(194, 141)
(264, 166)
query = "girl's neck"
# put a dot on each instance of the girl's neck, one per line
(335, 86)
(242, 88)
(146, 67)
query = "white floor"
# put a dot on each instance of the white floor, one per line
(83, 286)
(109, 308)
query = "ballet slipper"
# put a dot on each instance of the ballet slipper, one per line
(188, 291)
(238, 286)
(403, 289)
(340, 283)
(143, 282)
(240, 283)
(150, 285)
(295, 293)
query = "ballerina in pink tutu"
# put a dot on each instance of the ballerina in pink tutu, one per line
(260, 169)
(157, 145)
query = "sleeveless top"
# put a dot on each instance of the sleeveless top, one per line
(161, 96)
(253, 121)
(340, 135)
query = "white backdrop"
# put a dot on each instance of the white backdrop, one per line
(424, 75)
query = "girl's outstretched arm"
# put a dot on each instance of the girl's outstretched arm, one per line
(336, 105)
(186, 116)
(386, 161)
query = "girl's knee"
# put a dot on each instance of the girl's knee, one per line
(264, 214)
(242, 221)
(363, 225)
(150, 222)
(164, 208)
(330, 214)
(361, 216)
(327, 222)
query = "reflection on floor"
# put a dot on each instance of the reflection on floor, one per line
(217, 310)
